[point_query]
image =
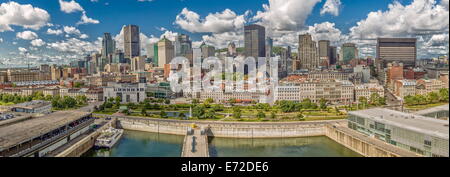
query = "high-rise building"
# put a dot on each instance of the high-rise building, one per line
(183, 45)
(255, 45)
(150, 51)
(402, 50)
(307, 53)
(118, 57)
(207, 50)
(165, 52)
(108, 45)
(131, 41)
(232, 52)
(269, 47)
(349, 51)
(324, 53)
(138, 63)
(155, 54)
(333, 55)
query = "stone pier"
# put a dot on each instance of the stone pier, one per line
(195, 144)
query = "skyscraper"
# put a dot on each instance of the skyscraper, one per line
(307, 53)
(232, 52)
(207, 50)
(269, 46)
(348, 52)
(131, 41)
(183, 45)
(333, 55)
(324, 52)
(108, 45)
(401, 50)
(255, 45)
(165, 52)
(138, 63)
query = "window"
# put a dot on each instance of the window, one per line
(427, 142)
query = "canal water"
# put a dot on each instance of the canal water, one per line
(144, 144)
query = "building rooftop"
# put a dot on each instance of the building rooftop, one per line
(29, 129)
(433, 110)
(413, 122)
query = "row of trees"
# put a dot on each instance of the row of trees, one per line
(292, 106)
(430, 98)
(58, 102)
(374, 100)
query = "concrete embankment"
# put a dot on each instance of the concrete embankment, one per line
(229, 129)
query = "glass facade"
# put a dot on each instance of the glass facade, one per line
(414, 141)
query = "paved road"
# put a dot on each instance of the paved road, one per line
(89, 107)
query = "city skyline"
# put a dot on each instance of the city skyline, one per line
(64, 31)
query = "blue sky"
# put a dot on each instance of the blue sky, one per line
(206, 20)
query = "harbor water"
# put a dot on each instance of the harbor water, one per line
(144, 144)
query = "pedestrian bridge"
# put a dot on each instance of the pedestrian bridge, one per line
(195, 143)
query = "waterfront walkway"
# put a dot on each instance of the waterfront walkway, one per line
(195, 144)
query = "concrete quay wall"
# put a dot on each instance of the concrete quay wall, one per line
(229, 129)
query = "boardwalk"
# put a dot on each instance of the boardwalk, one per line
(195, 144)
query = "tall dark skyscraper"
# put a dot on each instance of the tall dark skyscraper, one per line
(255, 44)
(402, 50)
(333, 55)
(131, 41)
(108, 46)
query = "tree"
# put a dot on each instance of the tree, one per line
(144, 112)
(118, 100)
(217, 107)
(433, 97)
(210, 114)
(300, 116)
(375, 99)
(163, 114)
(323, 103)
(261, 115)
(362, 101)
(273, 115)
(443, 94)
(209, 101)
(237, 113)
(198, 111)
(167, 101)
(181, 115)
(195, 101)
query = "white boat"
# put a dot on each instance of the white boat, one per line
(108, 138)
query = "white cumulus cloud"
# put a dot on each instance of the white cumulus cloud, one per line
(70, 6)
(37, 42)
(285, 15)
(26, 16)
(54, 32)
(27, 35)
(219, 22)
(87, 20)
(332, 7)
